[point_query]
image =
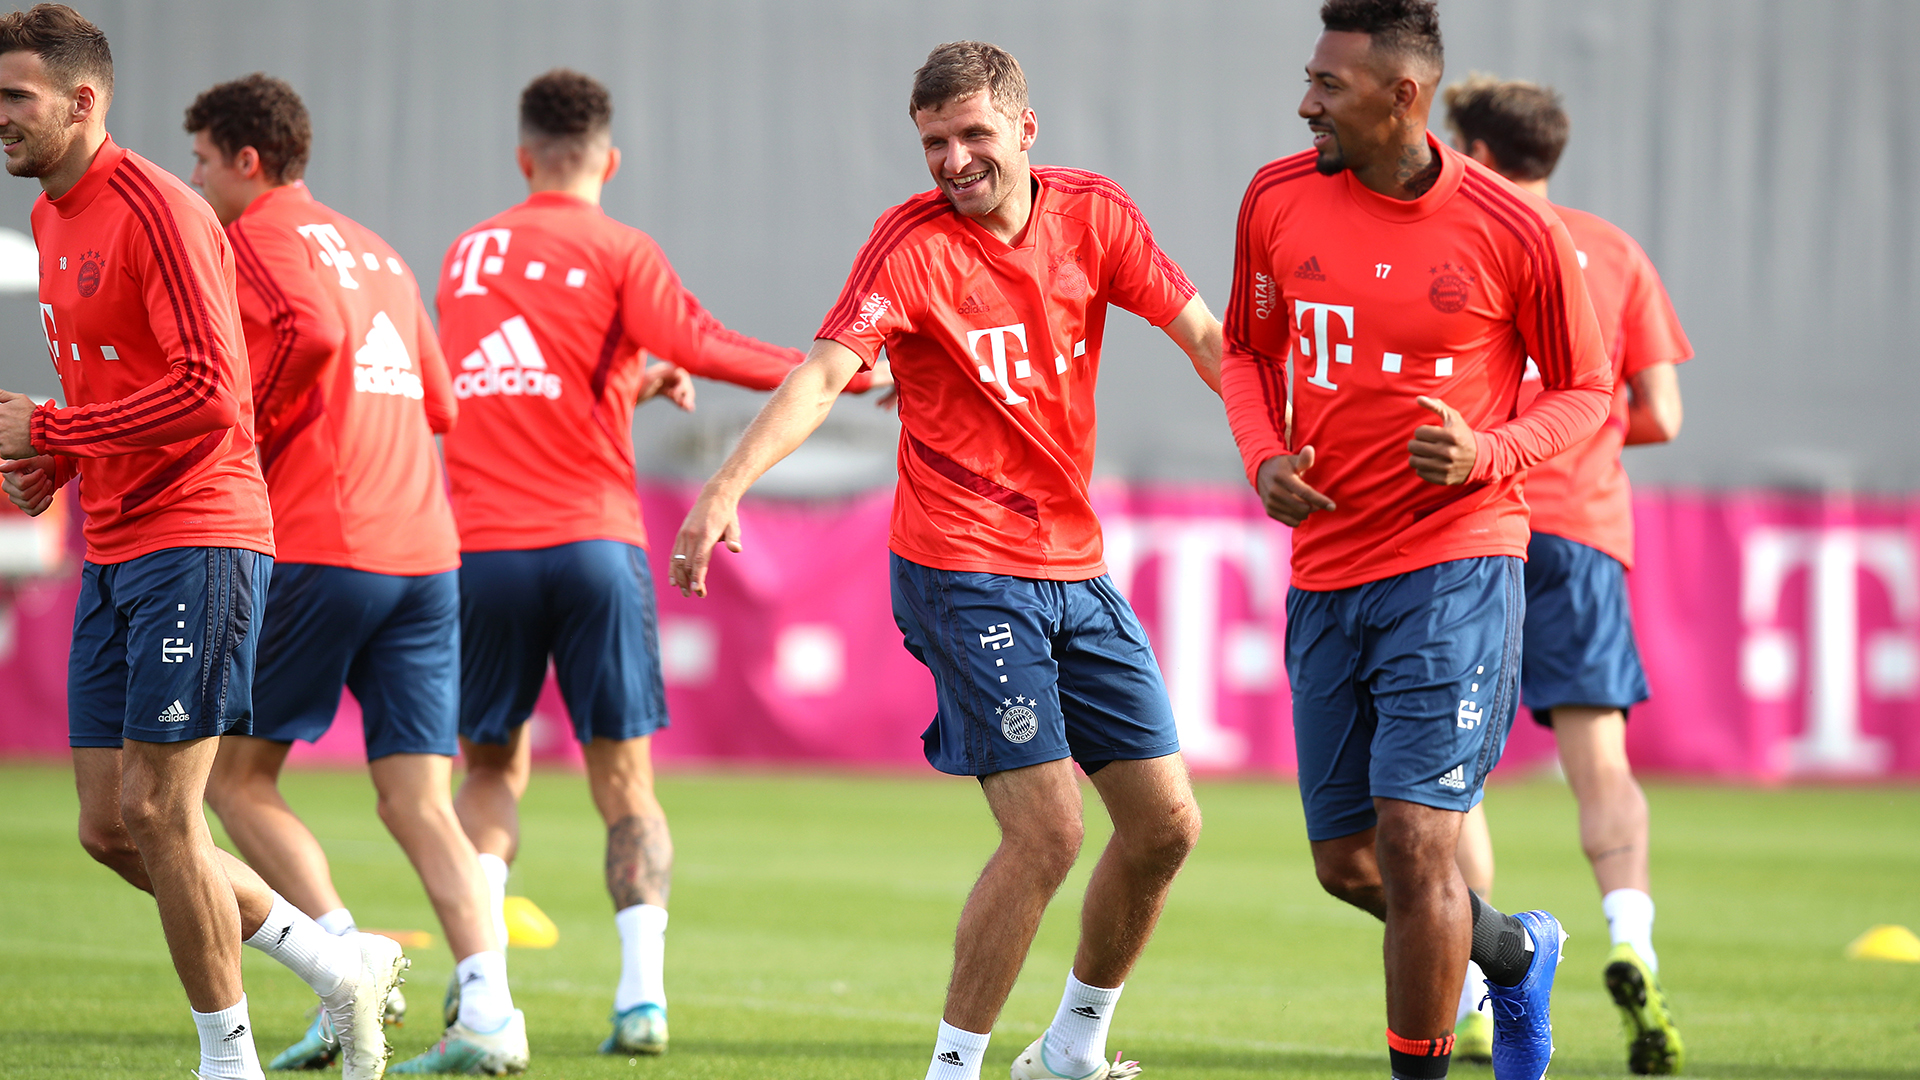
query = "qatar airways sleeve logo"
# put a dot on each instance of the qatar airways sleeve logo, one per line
(872, 310)
(1266, 295)
(470, 259)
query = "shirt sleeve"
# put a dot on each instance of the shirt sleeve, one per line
(872, 306)
(186, 273)
(667, 321)
(1555, 319)
(278, 287)
(435, 378)
(1650, 330)
(1141, 278)
(1253, 376)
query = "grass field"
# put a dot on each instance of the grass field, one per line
(812, 916)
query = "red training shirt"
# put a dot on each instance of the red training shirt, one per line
(995, 351)
(1581, 493)
(544, 312)
(350, 388)
(1356, 303)
(136, 299)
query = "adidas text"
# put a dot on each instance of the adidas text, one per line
(175, 713)
(951, 1058)
(1456, 778)
(508, 363)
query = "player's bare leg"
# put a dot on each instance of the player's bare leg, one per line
(161, 789)
(488, 802)
(1038, 811)
(1429, 926)
(1473, 1017)
(1155, 825)
(639, 869)
(417, 808)
(1613, 810)
(244, 789)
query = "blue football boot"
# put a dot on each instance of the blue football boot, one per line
(1522, 1016)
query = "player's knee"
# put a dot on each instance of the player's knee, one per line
(109, 844)
(1051, 848)
(1169, 840)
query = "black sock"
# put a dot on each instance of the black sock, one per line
(1501, 945)
(1419, 1059)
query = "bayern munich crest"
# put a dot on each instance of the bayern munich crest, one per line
(1018, 722)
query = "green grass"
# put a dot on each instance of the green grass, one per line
(812, 916)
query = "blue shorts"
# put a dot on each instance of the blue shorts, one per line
(393, 640)
(163, 646)
(1579, 637)
(1403, 688)
(590, 604)
(1030, 671)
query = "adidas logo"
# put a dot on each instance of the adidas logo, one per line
(1310, 270)
(508, 363)
(950, 1057)
(972, 305)
(175, 713)
(1456, 778)
(1087, 1011)
(383, 365)
(472, 977)
(235, 1033)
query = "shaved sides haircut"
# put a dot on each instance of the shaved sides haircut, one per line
(1406, 30)
(961, 69)
(562, 115)
(73, 49)
(1522, 123)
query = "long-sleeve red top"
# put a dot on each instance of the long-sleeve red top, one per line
(137, 301)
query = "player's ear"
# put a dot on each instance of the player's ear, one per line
(1029, 129)
(523, 158)
(613, 164)
(86, 101)
(246, 162)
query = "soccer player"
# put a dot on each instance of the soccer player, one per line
(1393, 290)
(548, 306)
(1580, 670)
(349, 388)
(137, 301)
(989, 295)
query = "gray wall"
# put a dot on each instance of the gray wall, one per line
(1755, 147)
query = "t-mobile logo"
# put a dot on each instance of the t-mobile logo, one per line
(470, 259)
(996, 372)
(333, 251)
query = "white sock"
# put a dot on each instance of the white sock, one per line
(321, 960)
(1629, 915)
(1472, 992)
(643, 950)
(226, 1044)
(1077, 1039)
(496, 870)
(957, 1054)
(338, 922)
(485, 1002)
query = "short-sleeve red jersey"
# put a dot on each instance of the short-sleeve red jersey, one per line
(995, 351)
(136, 299)
(1582, 493)
(1357, 303)
(349, 388)
(544, 312)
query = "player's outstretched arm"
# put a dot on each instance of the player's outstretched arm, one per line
(1198, 334)
(1653, 408)
(789, 416)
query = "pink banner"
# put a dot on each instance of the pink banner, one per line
(1781, 635)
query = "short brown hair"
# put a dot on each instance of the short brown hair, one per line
(561, 112)
(961, 69)
(258, 111)
(73, 49)
(1523, 124)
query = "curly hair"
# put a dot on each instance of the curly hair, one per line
(258, 111)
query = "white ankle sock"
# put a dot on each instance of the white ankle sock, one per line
(338, 922)
(1472, 991)
(957, 1054)
(1629, 915)
(496, 870)
(321, 960)
(1077, 1039)
(485, 1002)
(643, 950)
(226, 1044)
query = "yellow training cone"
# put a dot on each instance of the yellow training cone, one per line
(529, 928)
(1886, 943)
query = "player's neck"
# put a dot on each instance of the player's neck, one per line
(73, 165)
(585, 185)
(1008, 221)
(1404, 171)
(1536, 187)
